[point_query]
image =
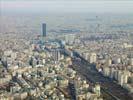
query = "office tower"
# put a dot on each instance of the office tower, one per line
(44, 30)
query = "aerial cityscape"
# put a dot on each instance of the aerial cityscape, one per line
(66, 50)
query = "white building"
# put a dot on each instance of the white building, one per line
(109, 62)
(97, 89)
(70, 38)
(131, 61)
(112, 72)
(123, 77)
(93, 58)
(106, 71)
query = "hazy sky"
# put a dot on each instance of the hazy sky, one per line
(121, 6)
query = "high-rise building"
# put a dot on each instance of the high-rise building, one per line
(93, 57)
(131, 61)
(56, 54)
(44, 30)
(97, 89)
(69, 38)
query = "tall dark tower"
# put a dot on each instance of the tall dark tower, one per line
(44, 30)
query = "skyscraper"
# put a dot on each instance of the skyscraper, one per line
(44, 30)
